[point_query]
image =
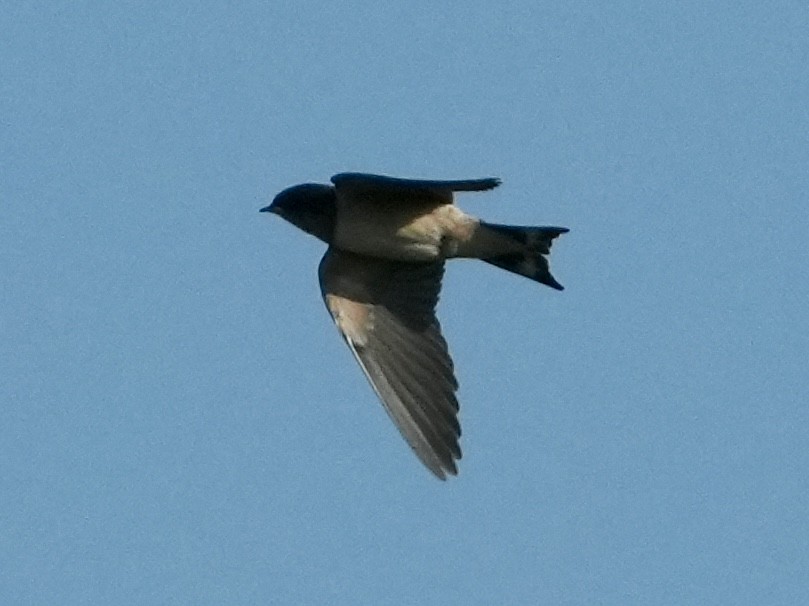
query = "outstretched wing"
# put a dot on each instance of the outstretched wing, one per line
(360, 182)
(385, 311)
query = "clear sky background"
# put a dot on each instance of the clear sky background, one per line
(180, 421)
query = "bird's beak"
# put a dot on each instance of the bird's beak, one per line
(268, 209)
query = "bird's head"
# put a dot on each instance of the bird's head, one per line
(311, 207)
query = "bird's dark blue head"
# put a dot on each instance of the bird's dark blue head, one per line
(311, 207)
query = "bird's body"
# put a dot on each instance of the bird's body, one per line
(381, 276)
(413, 233)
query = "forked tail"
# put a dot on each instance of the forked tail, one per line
(531, 260)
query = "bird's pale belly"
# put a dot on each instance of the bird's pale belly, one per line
(378, 235)
(405, 244)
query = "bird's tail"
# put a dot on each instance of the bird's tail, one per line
(530, 260)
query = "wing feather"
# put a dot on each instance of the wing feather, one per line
(438, 405)
(403, 419)
(384, 184)
(385, 310)
(440, 438)
(427, 365)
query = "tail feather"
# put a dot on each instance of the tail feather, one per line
(531, 261)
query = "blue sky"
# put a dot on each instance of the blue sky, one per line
(181, 423)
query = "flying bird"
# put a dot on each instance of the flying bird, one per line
(388, 239)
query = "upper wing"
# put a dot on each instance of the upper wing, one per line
(385, 311)
(386, 185)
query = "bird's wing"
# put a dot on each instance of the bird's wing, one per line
(385, 311)
(363, 183)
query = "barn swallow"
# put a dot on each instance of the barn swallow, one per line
(388, 239)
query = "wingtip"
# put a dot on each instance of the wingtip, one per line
(486, 184)
(444, 473)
